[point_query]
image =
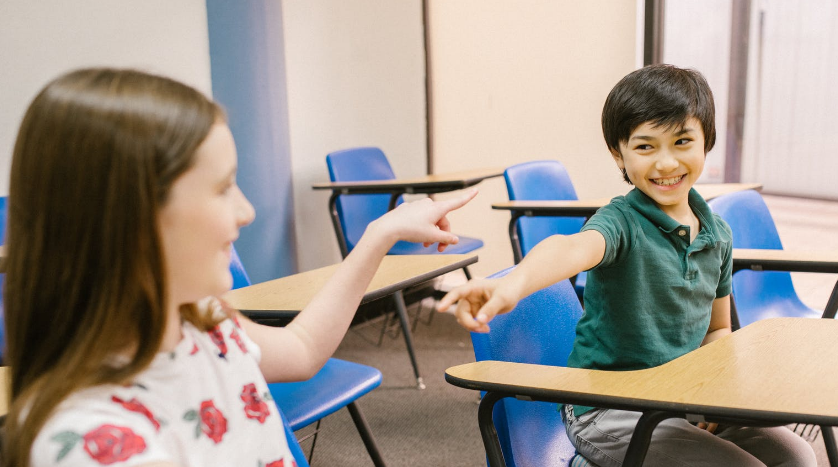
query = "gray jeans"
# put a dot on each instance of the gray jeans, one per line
(602, 436)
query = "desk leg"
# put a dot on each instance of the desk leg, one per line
(333, 212)
(639, 444)
(401, 311)
(829, 443)
(517, 251)
(488, 432)
(831, 308)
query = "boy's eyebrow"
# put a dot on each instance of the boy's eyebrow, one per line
(651, 138)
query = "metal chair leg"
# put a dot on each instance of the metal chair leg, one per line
(366, 434)
(401, 310)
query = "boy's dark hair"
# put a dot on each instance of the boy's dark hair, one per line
(664, 95)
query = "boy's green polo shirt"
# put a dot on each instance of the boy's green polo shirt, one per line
(650, 298)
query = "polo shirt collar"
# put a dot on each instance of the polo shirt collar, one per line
(643, 204)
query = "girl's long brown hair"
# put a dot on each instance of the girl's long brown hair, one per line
(95, 158)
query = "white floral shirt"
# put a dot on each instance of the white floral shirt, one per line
(205, 403)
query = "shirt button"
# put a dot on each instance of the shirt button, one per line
(682, 232)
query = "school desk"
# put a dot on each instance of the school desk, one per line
(791, 261)
(772, 372)
(287, 296)
(4, 389)
(587, 207)
(428, 184)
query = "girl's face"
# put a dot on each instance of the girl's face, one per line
(201, 220)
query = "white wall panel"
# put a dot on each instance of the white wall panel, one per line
(793, 101)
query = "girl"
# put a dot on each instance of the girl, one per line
(123, 209)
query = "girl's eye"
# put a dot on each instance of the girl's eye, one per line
(227, 187)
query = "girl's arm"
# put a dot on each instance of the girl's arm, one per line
(554, 259)
(297, 351)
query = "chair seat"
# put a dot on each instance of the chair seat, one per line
(337, 384)
(466, 245)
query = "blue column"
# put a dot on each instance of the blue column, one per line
(248, 78)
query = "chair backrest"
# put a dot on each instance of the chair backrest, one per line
(356, 211)
(758, 294)
(540, 330)
(240, 279)
(541, 180)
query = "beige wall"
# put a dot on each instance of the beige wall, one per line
(520, 81)
(356, 77)
(41, 39)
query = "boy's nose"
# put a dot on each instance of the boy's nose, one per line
(666, 162)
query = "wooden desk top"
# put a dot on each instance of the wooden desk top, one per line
(786, 260)
(434, 183)
(288, 295)
(587, 206)
(4, 389)
(776, 370)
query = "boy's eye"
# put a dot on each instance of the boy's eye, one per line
(643, 147)
(683, 141)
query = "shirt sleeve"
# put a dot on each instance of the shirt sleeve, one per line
(613, 224)
(92, 432)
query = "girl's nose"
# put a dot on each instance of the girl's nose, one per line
(245, 213)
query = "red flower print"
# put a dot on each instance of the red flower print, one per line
(218, 340)
(109, 444)
(254, 406)
(136, 406)
(213, 423)
(194, 349)
(237, 338)
(280, 463)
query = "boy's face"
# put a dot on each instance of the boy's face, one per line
(664, 163)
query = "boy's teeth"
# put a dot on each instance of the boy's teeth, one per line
(667, 181)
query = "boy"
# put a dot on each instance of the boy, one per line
(660, 276)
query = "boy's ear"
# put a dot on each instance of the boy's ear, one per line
(618, 158)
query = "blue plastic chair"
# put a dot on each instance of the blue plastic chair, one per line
(542, 180)
(540, 330)
(337, 385)
(357, 211)
(758, 294)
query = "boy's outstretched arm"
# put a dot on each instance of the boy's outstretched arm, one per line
(554, 259)
(298, 350)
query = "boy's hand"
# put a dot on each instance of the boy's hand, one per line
(478, 301)
(423, 221)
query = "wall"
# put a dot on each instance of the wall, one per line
(356, 77)
(697, 35)
(41, 39)
(520, 81)
(791, 102)
(248, 79)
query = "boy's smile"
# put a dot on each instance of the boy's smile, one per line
(664, 163)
